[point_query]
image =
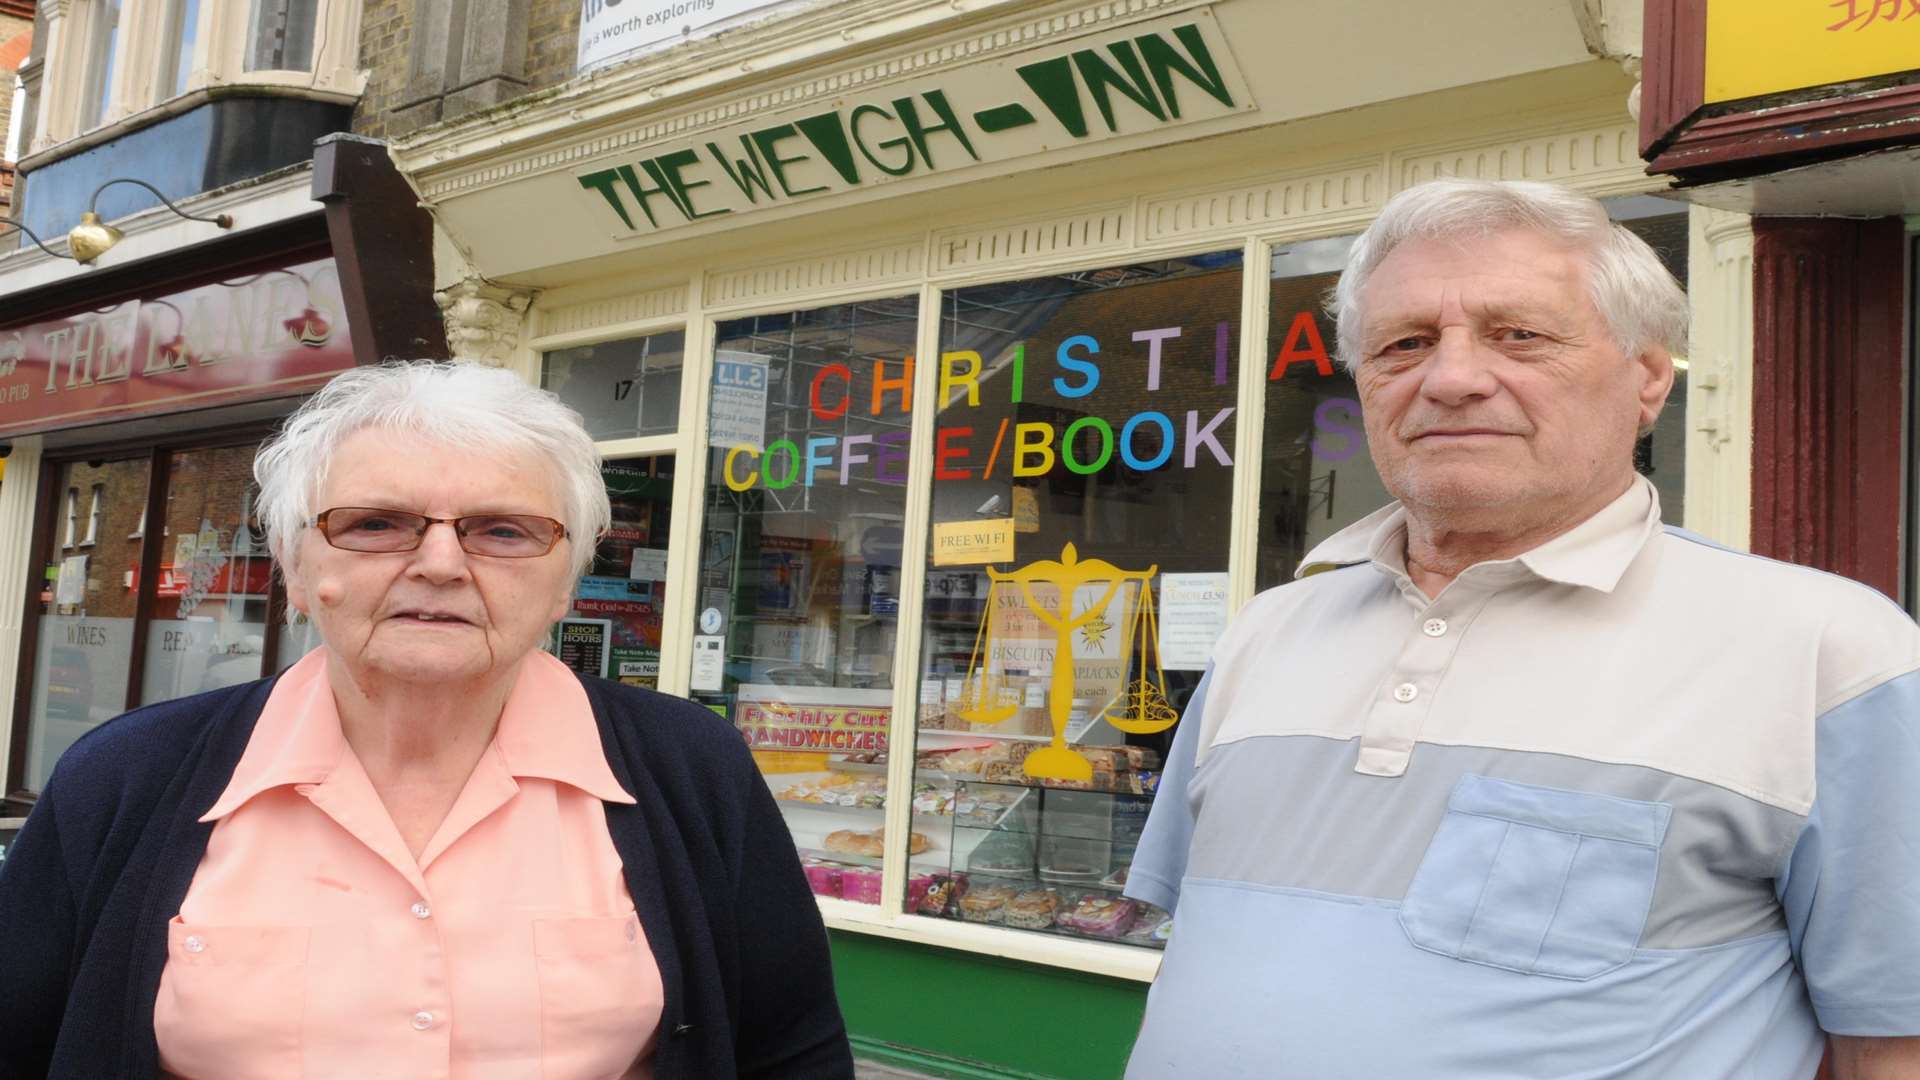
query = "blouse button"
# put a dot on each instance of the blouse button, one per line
(422, 1020)
(196, 944)
(420, 909)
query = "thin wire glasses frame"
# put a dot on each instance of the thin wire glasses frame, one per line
(379, 531)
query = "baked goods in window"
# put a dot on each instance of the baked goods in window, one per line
(985, 903)
(1101, 916)
(941, 896)
(861, 884)
(870, 842)
(1032, 910)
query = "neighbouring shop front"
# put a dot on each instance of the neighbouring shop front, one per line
(132, 400)
(953, 397)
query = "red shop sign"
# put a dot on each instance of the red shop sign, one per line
(272, 334)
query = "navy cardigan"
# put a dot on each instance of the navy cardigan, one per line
(109, 850)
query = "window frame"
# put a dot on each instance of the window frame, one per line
(43, 548)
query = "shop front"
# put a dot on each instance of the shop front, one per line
(131, 402)
(955, 390)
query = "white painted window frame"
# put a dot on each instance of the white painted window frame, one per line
(135, 97)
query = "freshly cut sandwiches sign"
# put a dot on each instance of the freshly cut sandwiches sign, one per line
(1123, 82)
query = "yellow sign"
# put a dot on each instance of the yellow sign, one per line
(1759, 47)
(1142, 707)
(1026, 510)
(972, 543)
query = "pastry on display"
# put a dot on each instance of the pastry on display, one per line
(860, 883)
(822, 877)
(870, 842)
(1101, 916)
(1151, 927)
(1032, 910)
(985, 903)
(941, 895)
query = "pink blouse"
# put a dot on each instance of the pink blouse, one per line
(312, 943)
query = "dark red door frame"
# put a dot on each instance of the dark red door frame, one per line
(1829, 398)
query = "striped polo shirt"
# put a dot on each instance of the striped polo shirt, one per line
(1627, 805)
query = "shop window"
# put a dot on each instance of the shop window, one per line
(280, 35)
(1317, 476)
(613, 627)
(206, 624)
(84, 628)
(623, 389)
(1081, 500)
(800, 565)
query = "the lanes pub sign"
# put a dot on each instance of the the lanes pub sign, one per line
(1119, 83)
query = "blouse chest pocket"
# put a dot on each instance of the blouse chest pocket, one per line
(1536, 880)
(600, 995)
(232, 1000)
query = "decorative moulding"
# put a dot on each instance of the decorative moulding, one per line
(825, 275)
(963, 251)
(632, 307)
(606, 105)
(1598, 158)
(1350, 192)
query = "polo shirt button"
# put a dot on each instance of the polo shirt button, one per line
(422, 1020)
(420, 909)
(196, 944)
(1405, 692)
(1435, 627)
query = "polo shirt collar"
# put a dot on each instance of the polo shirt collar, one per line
(1594, 554)
(546, 730)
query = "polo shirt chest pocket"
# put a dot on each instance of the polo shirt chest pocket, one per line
(1536, 880)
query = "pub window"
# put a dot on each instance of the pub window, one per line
(800, 565)
(622, 389)
(1081, 496)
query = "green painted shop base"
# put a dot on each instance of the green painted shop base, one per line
(972, 1017)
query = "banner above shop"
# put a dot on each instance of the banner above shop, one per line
(271, 334)
(616, 30)
(1138, 78)
(1759, 47)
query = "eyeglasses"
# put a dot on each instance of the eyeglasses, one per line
(499, 536)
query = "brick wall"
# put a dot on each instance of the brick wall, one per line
(386, 44)
(386, 31)
(553, 31)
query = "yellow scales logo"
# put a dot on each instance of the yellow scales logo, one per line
(1141, 709)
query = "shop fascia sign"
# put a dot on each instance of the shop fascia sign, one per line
(1759, 47)
(1143, 78)
(263, 335)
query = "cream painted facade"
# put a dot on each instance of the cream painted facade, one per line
(1344, 104)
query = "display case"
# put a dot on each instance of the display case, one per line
(988, 845)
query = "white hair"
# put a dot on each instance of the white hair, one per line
(452, 403)
(1640, 301)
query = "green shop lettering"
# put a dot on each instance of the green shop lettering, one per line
(1147, 79)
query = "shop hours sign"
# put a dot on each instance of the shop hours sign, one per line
(1130, 81)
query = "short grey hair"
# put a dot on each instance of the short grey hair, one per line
(1639, 299)
(453, 403)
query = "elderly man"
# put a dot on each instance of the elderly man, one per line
(1517, 781)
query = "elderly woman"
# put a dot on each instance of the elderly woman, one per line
(428, 848)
